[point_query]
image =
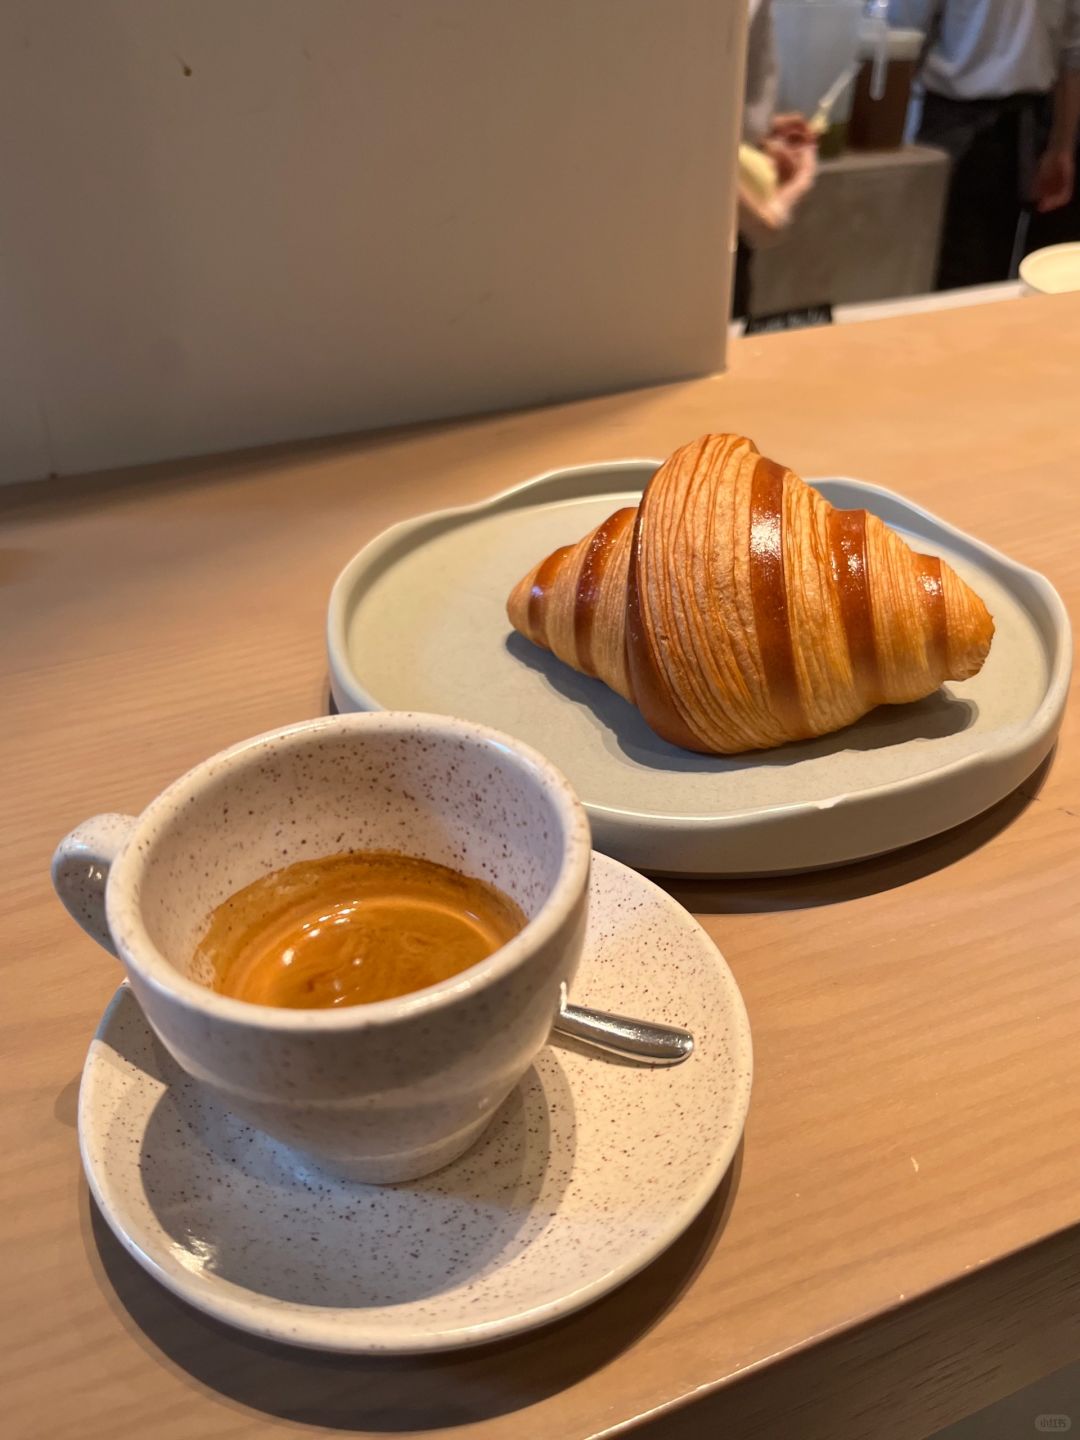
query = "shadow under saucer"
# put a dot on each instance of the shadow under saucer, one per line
(396, 1394)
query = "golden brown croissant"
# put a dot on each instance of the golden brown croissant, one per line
(738, 610)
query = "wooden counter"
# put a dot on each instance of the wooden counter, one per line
(916, 1019)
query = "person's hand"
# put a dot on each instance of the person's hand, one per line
(790, 144)
(793, 129)
(1054, 180)
(783, 157)
(791, 160)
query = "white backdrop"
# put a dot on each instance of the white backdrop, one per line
(228, 222)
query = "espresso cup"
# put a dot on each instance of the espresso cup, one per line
(380, 1092)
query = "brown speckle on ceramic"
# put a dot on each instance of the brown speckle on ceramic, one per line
(589, 1170)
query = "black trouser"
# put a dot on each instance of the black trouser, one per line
(994, 146)
(742, 281)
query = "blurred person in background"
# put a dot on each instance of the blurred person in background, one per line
(786, 141)
(1000, 82)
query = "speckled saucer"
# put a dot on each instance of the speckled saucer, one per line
(590, 1169)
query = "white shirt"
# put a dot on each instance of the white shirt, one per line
(762, 73)
(988, 48)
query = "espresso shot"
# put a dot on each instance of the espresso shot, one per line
(352, 929)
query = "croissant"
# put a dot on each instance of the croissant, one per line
(738, 610)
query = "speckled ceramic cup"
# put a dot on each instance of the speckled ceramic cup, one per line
(380, 1092)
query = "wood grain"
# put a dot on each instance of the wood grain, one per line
(917, 1091)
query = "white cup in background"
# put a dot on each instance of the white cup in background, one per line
(1054, 270)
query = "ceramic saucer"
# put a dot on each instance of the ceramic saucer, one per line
(591, 1168)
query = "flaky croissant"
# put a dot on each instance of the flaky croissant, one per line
(738, 610)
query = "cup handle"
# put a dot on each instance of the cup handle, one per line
(80, 869)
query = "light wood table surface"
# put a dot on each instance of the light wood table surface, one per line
(905, 1210)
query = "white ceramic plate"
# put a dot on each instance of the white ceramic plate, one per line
(417, 622)
(589, 1170)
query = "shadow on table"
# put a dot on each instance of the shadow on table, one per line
(757, 895)
(934, 717)
(394, 1394)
